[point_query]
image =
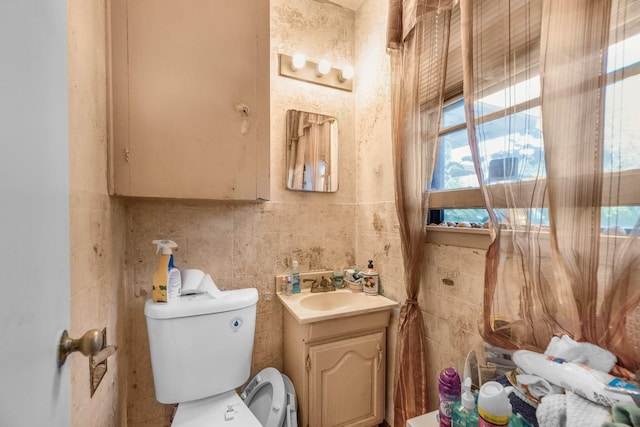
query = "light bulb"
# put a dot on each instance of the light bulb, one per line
(347, 73)
(298, 61)
(323, 67)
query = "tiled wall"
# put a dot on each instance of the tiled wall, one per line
(97, 222)
(241, 245)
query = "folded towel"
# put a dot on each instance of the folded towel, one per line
(625, 415)
(552, 411)
(569, 410)
(583, 412)
(581, 352)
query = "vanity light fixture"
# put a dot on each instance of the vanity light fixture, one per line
(321, 73)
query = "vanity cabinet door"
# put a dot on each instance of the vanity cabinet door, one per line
(190, 98)
(346, 382)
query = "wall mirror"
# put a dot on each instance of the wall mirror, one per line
(312, 152)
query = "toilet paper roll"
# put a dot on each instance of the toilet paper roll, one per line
(195, 281)
(191, 279)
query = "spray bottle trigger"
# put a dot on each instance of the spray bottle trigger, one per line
(165, 244)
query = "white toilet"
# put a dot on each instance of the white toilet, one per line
(201, 352)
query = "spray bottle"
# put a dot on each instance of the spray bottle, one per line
(448, 393)
(167, 281)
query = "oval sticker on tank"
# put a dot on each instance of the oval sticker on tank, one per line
(236, 323)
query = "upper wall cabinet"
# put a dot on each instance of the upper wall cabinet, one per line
(190, 99)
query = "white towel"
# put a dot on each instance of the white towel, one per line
(581, 352)
(552, 411)
(570, 410)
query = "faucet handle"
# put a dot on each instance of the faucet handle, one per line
(314, 284)
(327, 284)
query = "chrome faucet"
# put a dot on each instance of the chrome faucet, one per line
(325, 285)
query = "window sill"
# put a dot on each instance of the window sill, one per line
(477, 238)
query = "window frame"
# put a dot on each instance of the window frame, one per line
(624, 182)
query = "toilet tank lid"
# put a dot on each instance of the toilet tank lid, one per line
(199, 304)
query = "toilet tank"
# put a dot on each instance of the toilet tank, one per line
(201, 346)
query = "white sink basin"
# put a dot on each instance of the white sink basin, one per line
(307, 307)
(330, 301)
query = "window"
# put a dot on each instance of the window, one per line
(511, 146)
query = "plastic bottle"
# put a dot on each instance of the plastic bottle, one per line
(289, 289)
(295, 278)
(167, 280)
(449, 394)
(494, 408)
(464, 413)
(338, 278)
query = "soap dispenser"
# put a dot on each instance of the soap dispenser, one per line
(370, 280)
(464, 413)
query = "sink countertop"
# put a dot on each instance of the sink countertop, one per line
(365, 304)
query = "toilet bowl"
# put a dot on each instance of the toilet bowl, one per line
(219, 410)
(268, 400)
(201, 352)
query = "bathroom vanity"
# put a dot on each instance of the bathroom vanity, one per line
(189, 114)
(335, 354)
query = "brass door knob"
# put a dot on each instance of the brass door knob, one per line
(89, 345)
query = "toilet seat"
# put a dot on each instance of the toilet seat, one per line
(291, 416)
(266, 397)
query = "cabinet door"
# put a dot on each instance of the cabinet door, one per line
(346, 382)
(190, 107)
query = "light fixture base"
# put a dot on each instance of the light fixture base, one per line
(308, 73)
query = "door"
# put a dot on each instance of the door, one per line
(346, 382)
(34, 213)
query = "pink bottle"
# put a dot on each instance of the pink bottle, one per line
(449, 393)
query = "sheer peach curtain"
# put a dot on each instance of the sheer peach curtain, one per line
(418, 44)
(567, 277)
